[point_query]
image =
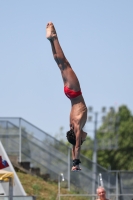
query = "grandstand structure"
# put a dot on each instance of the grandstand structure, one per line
(38, 151)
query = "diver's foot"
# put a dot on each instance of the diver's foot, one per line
(50, 31)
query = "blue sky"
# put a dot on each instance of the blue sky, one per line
(97, 39)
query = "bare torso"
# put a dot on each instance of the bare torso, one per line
(78, 114)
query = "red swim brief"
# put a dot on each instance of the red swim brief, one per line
(71, 93)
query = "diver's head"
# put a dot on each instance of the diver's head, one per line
(71, 137)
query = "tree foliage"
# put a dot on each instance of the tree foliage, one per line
(86, 148)
(118, 126)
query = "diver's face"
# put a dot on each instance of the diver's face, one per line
(101, 193)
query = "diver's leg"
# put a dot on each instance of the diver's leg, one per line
(56, 48)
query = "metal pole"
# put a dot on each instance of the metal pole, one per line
(10, 189)
(116, 185)
(7, 138)
(95, 154)
(59, 186)
(20, 139)
(95, 139)
(68, 168)
(108, 174)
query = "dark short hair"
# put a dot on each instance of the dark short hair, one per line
(71, 137)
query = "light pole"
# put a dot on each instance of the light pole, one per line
(94, 159)
(95, 139)
(90, 110)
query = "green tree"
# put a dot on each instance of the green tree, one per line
(117, 126)
(86, 148)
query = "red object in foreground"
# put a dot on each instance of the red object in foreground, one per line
(3, 163)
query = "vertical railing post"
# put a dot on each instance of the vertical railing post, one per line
(116, 185)
(10, 189)
(7, 138)
(109, 183)
(68, 169)
(60, 177)
(20, 140)
(59, 187)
